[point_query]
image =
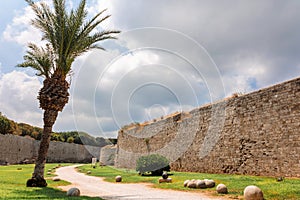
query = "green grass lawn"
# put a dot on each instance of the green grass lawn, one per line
(13, 184)
(273, 190)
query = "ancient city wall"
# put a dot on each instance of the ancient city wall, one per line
(256, 133)
(16, 149)
(107, 155)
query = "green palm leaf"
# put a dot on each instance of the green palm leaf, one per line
(39, 58)
(69, 33)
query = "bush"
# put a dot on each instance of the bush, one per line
(153, 163)
(5, 125)
(70, 139)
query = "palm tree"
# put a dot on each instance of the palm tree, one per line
(68, 35)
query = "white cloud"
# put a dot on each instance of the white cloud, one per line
(226, 29)
(18, 97)
(20, 30)
(244, 43)
(97, 6)
(239, 84)
(253, 43)
(125, 88)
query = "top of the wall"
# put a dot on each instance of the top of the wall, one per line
(236, 96)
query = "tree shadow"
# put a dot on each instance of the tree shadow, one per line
(148, 174)
(46, 193)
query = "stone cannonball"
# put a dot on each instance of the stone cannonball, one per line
(201, 184)
(185, 183)
(118, 178)
(192, 184)
(253, 193)
(222, 189)
(165, 175)
(210, 183)
(73, 192)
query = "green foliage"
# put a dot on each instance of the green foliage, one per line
(68, 34)
(153, 163)
(112, 140)
(39, 58)
(70, 139)
(28, 130)
(81, 138)
(8, 126)
(57, 137)
(4, 125)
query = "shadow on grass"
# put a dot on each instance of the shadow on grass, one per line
(45, 193)
(153, 175)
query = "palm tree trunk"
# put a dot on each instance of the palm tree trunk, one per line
(37, 179)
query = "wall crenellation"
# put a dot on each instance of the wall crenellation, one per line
(256, 133)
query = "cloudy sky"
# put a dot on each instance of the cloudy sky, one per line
(171, 56)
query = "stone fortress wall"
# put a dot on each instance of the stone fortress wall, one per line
(256, 133)
(17, 149)
(107, 155)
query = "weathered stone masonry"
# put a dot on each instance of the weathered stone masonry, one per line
(257, 133)
(16, 149)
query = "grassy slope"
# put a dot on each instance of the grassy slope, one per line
(13, 184)
(273, 190)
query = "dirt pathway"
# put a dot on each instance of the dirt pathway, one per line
(96, 187)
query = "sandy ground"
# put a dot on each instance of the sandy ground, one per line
(96, 187)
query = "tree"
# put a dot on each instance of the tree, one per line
(68, 35)
(4, 125)
(8, 126)
(70, 139)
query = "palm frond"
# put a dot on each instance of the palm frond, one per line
(40, 59)
(69, 33)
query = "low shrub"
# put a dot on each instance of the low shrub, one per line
(154, 163)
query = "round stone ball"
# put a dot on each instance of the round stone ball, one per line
(165, 175)
(185, 183)
(118, 178)
(200, 184)
(210, 183)
(253, 193)
(88, 172)
(192, 184)
(73, 192)
(222, 189)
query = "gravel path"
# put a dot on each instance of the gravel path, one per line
(96, 187)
